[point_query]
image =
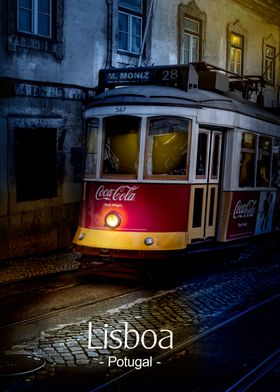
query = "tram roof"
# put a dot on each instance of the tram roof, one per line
(166, 96)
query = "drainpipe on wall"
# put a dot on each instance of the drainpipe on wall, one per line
(145, 32)
(109, 33)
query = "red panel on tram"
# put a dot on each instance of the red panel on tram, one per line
(243, 214)
(142, 207)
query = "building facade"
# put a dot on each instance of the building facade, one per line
(51, 52)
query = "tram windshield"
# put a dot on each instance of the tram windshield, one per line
(115, 150)
(167, 146)
(91, 148)
(121, 145)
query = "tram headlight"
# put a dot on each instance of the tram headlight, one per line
(113, 220)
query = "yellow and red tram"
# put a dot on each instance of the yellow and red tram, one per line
(168, 165)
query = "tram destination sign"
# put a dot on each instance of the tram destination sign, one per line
(180, 76)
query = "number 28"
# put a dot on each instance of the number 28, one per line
(171, 74)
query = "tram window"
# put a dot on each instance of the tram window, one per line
(216, 156)
(198, 208)
(248, 160)
(264, 158)
(121, 145)
(202, 156)
(167, 146)
(211, 207)
(276, 164)
(91, 148)
(248, 140)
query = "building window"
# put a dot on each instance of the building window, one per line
(236, 51)
(130, 25)
(192, 33)
(269, 63)
(35, 163)
(35, 17)
(191, 41)
(36, 25)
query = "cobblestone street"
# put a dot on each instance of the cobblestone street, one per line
(23, 268)
(186, 310)
(194, 305)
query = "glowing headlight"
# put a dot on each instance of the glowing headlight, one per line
(113, 220)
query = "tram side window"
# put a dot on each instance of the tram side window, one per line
(276, 164)
(167, 146)
(202, 155)
(121, 145)
(248, 160)
(217, 140)
(91, 148)
(264, 159)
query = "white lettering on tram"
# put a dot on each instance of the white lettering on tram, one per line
(122, 193)
(246, 210)
(134, 75)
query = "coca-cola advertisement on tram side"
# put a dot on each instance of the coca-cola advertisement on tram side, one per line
(243, 215)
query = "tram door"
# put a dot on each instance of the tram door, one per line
(205, 193)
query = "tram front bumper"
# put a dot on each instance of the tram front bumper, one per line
(124, 240)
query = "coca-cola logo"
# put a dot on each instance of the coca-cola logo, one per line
(122, 193)
(244, 210)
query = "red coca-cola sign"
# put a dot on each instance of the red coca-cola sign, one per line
(243, 214)
(121, 193)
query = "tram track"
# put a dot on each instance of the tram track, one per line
(241, 384)
(94, 272)
(57, 312)
(256, 374)
(101, 270)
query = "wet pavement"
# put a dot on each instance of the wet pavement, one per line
(13, 270)
(190, 305)
(217, 361)
(77, 353)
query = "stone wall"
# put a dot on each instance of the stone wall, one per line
(34, 226)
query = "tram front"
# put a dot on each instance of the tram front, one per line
(136, 179)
